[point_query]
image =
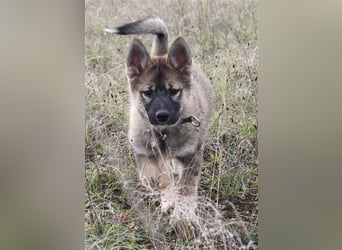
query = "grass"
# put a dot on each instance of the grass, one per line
(119, 213)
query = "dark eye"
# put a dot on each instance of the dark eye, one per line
(148, 93)
(174, 92)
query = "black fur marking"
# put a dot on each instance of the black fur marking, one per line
(162, 101)
(131, 28)
(126, 29)
(161, 37)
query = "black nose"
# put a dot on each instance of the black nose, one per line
(162, 116)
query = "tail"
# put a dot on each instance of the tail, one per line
(154, 26)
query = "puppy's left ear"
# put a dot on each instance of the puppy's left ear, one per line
(179, 56)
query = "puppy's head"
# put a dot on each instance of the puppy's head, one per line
(159, 83)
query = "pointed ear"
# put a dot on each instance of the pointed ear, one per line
(179, 55)
(137, 58)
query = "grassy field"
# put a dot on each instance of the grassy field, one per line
(119, 213)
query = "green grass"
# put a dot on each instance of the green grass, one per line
(119, 213)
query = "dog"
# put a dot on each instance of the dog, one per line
(171, 102)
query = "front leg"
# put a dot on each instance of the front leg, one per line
(191, 172)
(151, 173)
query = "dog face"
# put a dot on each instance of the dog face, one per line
(159, 84)
(162, 101)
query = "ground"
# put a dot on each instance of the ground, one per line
(119, 213)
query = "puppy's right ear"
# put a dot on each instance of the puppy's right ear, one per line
(138, 58)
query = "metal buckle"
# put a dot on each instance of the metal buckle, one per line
(195, 122)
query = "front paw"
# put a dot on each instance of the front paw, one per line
(187, 190)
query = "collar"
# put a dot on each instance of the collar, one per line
(193, 119)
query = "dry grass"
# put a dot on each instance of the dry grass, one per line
(119, 213)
